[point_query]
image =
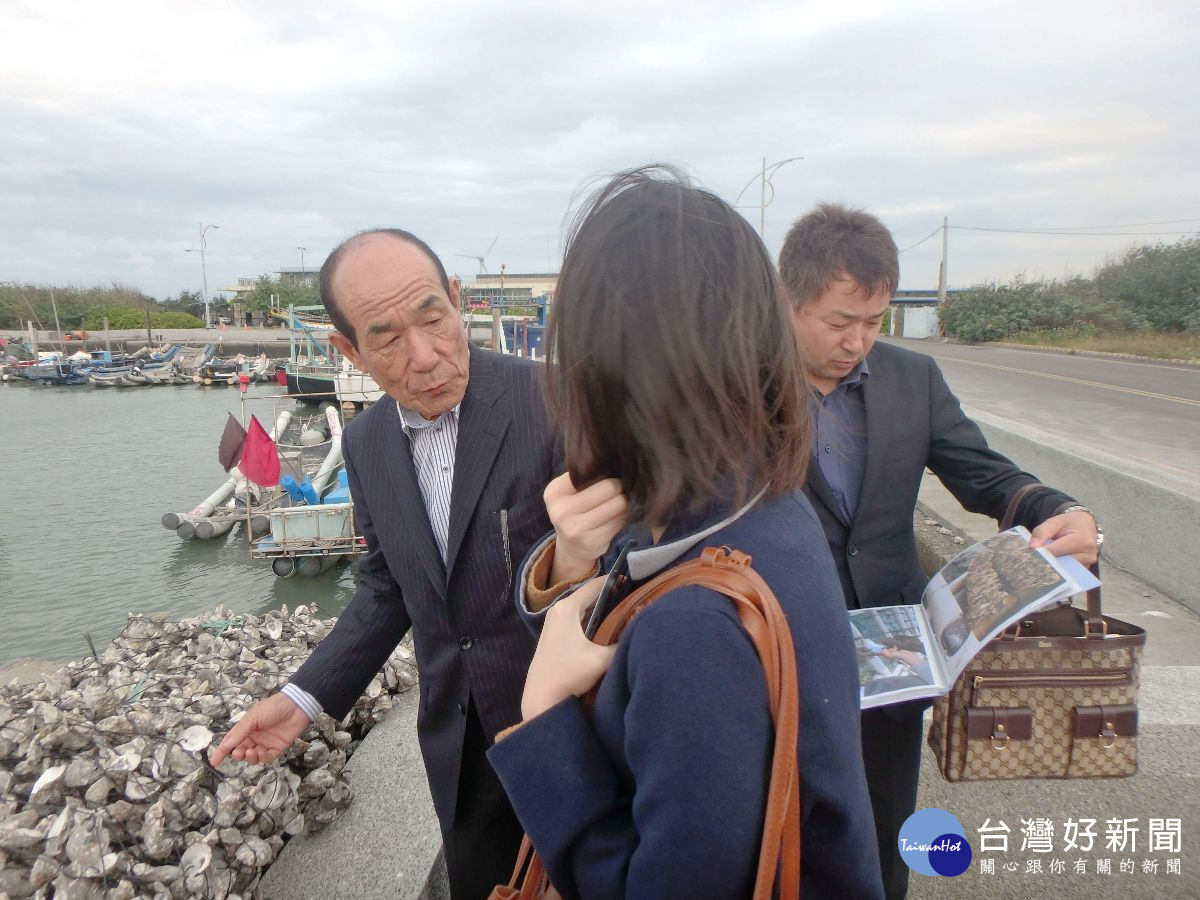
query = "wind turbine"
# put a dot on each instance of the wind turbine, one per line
(480, 259)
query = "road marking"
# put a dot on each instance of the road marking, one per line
(1105, 356)
(1083, 381)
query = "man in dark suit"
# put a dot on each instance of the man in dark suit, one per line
(882, 415)
(447, 478)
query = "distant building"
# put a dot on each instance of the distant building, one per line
(243, 286)
(915, 313)
(520, 289)
(306, 276)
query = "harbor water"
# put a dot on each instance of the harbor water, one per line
(85, 478)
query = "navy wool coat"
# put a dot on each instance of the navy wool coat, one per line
(661, 791)
(470, 645)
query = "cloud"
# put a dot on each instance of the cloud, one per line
(295, 124)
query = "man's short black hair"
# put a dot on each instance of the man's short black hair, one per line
(834, 241)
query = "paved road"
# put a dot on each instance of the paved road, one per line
(1148, 412)
(1163, 788)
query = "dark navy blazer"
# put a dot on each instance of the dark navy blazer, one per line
(661, 791)
(913, 421)
(470, 644)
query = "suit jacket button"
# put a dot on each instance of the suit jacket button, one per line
(466, 643)
(852, 549)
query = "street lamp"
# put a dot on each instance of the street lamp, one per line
(302, 270)
(203, 268)
(765, 180)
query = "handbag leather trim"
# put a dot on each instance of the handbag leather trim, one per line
(1066, 642)
(998, 722)
(1118, 720)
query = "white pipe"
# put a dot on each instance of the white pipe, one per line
(312, 566)
(334, 420)
(332, 462)
(210, 528)
(333, 459)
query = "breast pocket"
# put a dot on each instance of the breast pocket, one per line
(518, 528)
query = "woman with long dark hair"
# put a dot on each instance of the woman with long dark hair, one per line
(676, 383)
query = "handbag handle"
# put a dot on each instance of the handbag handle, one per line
(728, 572)
(1094, 626)
(1014, 503)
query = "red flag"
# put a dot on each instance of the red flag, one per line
(260, 459)
(281, 377)
(232, 439)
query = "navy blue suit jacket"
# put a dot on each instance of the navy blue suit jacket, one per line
(913, 422)
(470, 644)
(661, 790)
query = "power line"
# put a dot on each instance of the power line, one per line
(1127, 225)
(922, 240)
(1069, 231)
(1079, 233)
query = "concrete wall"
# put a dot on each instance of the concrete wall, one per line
(1151, 519)
(388, 843)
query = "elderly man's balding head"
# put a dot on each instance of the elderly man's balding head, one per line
(398, 318)
(329, 270)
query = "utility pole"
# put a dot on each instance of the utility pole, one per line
(497, 322)
(302, 270)
(204, 268)
(61, 343)
(762, 203)
(942, 267)
(763, 177)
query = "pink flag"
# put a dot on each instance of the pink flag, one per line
(260, 459)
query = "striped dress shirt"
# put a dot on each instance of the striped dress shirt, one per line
(433, 444)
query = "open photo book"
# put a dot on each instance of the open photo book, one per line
(909, 652)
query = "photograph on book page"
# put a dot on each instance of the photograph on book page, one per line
(892, 644)
(989, 586)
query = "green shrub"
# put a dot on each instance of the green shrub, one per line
(1161, 284)
(124, 318)
(998, 311)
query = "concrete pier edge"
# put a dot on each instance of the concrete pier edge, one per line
(388, 842)
(1151, 518)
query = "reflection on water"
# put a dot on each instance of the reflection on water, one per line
(85, 477)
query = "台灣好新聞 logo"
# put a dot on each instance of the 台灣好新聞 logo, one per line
(934, 842)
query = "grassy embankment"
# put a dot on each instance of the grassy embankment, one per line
(1146, 303)
(1157, 345)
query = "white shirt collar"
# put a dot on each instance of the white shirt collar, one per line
(650, 560)
(414, 421)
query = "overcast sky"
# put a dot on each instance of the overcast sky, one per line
(124, 126)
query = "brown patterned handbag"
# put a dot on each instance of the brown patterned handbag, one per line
(1053, 697)
(727, 572)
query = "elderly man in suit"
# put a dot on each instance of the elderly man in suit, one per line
(447, 479)
(882, 415)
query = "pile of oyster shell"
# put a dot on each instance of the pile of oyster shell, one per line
(105, 786)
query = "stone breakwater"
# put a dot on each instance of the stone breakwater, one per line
(105, 787)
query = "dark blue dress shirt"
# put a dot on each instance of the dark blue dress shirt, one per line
(840, 438)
